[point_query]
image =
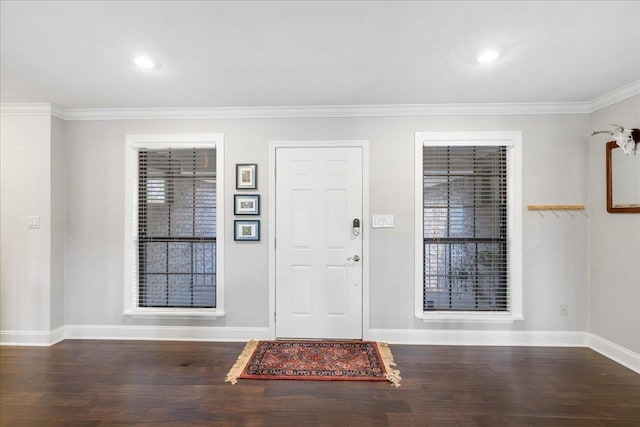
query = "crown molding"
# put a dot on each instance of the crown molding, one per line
(25, 109)
(324, 111)
(32, 109)
(58, 111)
(393, 110)
(614, 96)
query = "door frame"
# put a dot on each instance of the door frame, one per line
(273, 146)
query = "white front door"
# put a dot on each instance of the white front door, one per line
(318, 253)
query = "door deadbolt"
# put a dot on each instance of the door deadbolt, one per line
(356, 227)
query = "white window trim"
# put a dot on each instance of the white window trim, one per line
(132, 144)
(512, 140)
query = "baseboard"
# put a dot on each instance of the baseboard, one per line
(609, 349)
(32, 338)
(480, 337)
(165, 333)
(57, 335)
(603, 346)
(615, 352)
(132, 332)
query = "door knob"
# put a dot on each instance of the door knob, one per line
(355, 258)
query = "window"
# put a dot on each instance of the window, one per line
(174, 225)
(469, 211)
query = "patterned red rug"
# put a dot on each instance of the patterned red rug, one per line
(315, 360)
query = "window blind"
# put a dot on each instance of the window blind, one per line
(465, 228)
(177, 228)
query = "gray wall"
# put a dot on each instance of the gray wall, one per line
(555, 248)
(614, 242)
(25, 254)
(58, 219)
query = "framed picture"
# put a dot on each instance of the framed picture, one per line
(246, 230)
(246, 176)
(246, 204)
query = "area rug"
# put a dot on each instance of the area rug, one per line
(315, 360)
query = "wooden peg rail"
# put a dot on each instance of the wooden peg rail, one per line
(555, 207)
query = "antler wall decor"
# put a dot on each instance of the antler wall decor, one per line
(627, 139)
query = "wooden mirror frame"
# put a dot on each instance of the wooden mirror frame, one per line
(612, 145)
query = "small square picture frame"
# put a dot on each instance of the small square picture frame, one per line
(246, 230)
(246, 204)
(246, 176)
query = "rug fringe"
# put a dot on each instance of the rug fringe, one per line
(393, 375)
(237, 368)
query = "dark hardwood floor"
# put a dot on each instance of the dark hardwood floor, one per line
(88, 383)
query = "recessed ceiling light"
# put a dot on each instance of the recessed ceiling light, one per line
(144, 62)
(488, 56)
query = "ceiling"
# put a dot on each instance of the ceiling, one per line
(231, 54)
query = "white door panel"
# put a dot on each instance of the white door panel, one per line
(318, 290)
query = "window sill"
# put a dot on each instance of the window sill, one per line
(465, 317)
(175, 314)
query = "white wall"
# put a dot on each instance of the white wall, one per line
(25, 254)
(614, 241)
(555, 248)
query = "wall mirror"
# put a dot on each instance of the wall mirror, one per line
(623, 180)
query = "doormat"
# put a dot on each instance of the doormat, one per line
(315, 360)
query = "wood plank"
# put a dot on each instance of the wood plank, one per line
(556, 207)
(149, 383)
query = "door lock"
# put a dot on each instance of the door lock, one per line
(355, 258)
(356, 227)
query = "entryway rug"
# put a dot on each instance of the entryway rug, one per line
(315, 360)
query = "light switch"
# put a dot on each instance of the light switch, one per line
(382, 221)
(33, 222)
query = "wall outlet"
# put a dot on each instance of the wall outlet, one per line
(564, 309)
(33, 222)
